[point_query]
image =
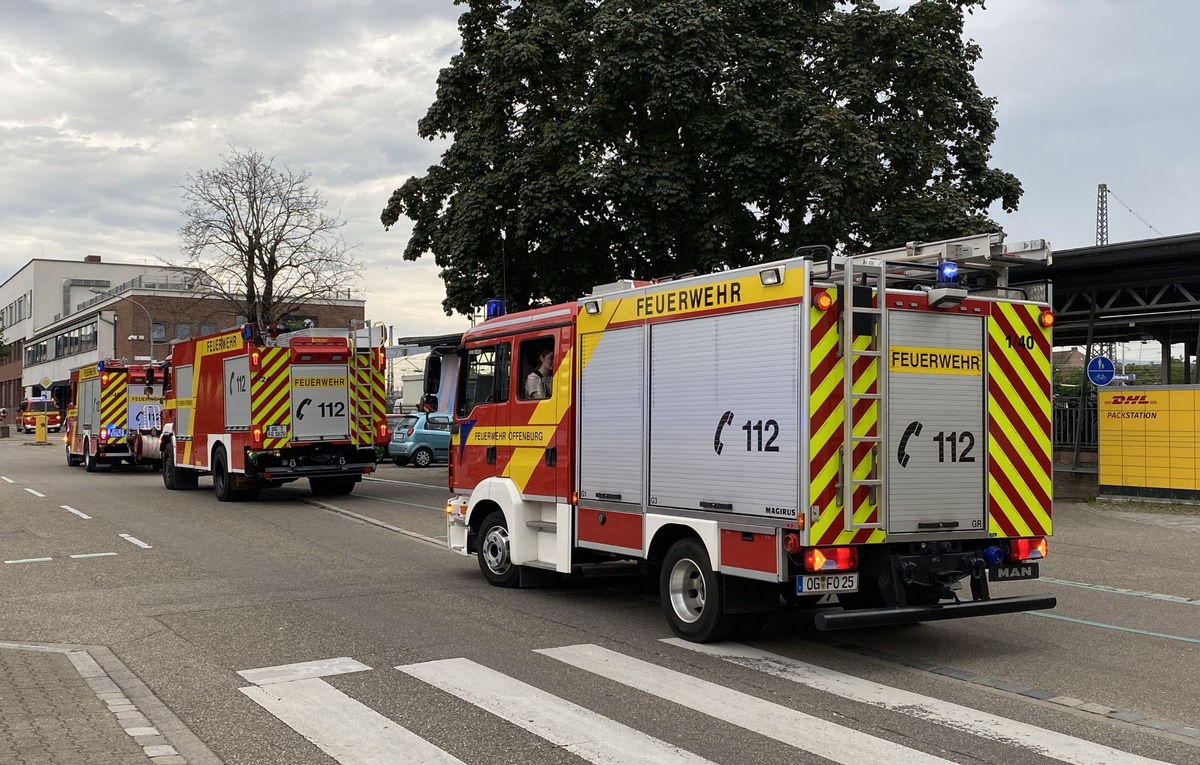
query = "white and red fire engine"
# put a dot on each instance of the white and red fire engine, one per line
(115, 414)
(260, 412)
(873, 427)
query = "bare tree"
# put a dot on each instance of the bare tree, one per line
(263, 238)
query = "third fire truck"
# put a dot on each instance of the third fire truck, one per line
(114, 414)
(873, 427)
(257, 412)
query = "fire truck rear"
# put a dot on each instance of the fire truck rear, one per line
(260, 412)
(874, 428)
(115, 414)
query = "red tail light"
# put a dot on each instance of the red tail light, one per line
(380, 358)
(1028, 549)
(104, 379)
(824, 301)
(411, 430)
(791, 543)
(831, 559)
(256, 435)
(383, 430)
(103, 436)
(255, 360)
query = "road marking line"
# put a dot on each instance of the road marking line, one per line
(303, 670)
(70, 509)
(1120, 591)
(432, 487)
(29, 560)
(568, 726)
(400, 502)
(987, 726)
(7, 479)
(35, 493)
(810, 734)
(435, 541)
(1114, 627)
(94, 555)
(345, 729)
(135, 541)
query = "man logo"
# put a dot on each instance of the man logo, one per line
(1131, 400)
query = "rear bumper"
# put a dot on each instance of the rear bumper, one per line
(878, 617)
(284, 473)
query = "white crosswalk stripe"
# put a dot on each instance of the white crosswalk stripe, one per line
(811, 734)
(580, 731)
(987, 726)
(354, 734)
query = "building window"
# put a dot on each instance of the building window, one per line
(208, 329)
(158, 331)
(183, 331)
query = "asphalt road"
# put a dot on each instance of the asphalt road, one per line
(198, 591)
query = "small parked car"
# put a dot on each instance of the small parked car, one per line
(421, 440)
(32, 407)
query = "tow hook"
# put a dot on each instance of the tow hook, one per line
(908, 572)
(978, 568)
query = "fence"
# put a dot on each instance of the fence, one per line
(1067, 415)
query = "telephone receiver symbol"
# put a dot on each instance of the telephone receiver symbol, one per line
(300, 409)
(726, 419)
(913, 429)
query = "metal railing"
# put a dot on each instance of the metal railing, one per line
(1067, 415)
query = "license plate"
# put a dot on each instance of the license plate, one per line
(277, 431)
(116, 432)
(806, 585)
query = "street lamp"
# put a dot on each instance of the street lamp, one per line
(149, 320)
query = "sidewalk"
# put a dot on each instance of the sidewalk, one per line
(58, 706)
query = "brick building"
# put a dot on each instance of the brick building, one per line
(67, 314)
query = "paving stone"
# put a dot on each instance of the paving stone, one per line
(145, 741)
(159, 751)
(1126, 716)
(1095, 708)
(1156, 724)
(1066, 701)
(144, 731)
(172, 759)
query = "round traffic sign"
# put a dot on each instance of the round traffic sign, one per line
(1100, 370)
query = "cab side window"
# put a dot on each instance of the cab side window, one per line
(486, 378)
(537, 369)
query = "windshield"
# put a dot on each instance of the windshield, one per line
(39, 406)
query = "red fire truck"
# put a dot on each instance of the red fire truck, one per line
(114, 414)
(257, 412)
(875, 428)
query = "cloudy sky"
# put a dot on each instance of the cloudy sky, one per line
(106, 106)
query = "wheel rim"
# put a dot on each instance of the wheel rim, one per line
(495, 550)
(422, 458)
(687, 590)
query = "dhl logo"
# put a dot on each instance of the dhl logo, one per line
(1131, 400)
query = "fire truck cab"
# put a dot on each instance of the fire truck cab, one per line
(115, 414)
(260, 411)
(875, 428)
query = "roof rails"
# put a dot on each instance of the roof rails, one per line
(981, 252)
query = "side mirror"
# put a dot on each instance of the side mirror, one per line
(429, 402)
(433, 375)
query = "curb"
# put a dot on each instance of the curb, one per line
(162, 736)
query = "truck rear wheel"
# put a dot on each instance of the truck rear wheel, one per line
(692, 598)
(494, 552)
(73, 460)
(89, 460)
(173, 477)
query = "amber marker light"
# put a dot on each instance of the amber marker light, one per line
(1046, 319)
(824, 301)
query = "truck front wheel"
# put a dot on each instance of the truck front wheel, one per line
(495, 556)
(691, 593)
(173, 477)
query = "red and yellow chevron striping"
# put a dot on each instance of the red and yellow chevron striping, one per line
(827, 417)
(114, 403)
(1019, 449)
(270, 396)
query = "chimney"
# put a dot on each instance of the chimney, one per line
(91, 258)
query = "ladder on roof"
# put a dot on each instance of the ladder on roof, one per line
(986, 252)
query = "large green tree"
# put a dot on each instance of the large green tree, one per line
(596, 140)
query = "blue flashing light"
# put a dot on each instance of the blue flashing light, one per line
(100, 367)
(993, 555)
(493, 309)
(247, 331)
(947, 272)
